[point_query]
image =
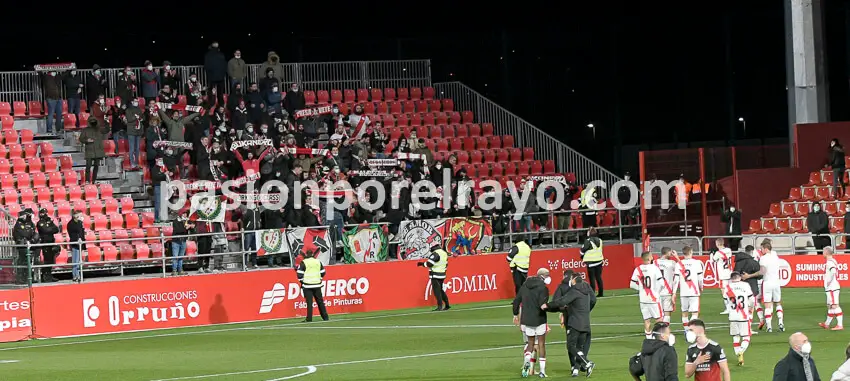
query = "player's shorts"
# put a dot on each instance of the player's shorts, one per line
(651, 311)
(740, 328)
(667, 303)
(690, 304)
(771, 294)
(832, 297)
(539, 330)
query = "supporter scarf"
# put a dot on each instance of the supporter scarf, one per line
(539, 179)
(250, 143)
(410, 156)
(371, 173)
(305, 151)
(63, 66)
(311, 112)
(374, 163)
(258, 197)
(172, 144)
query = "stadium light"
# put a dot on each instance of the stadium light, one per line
(744, 122)
(592, 127)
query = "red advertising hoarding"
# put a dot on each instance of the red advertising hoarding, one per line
(146, 304)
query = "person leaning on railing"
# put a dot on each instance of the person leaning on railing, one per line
(76, 236)
(46, 229)
(24, 234)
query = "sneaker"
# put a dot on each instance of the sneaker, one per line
(590, 366)
(542, 375)
(781, 327)
(770, 330)
(838, 328)
(526, 368)
(181, 272)
(823, 325)
(575, 372)
(740, 359)
(438, 309)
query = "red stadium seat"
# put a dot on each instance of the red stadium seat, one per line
(147, 219)
(310, 97)
(43, 195)
(389, 94)
(10, 137)
(775, 210)
(95, 207)
(481, 143)
(105, 190)
(26, 136)
(322, 97)
(50, 164)
(528, 153)
(131, 220)
(66, 162)
(5, 108)
(19, 165)
(23, 180)
(5, 166)
(408, 106)
(823, 193)
(548, 167)
(142, 250)
(415, 93)
(35, 108)
(19, 108)
(30, 150)
(336, 96)
(116, 221)
(90, 191)
(429, 93)
(156, 250)
(536, 167)
(460, 130)
(497, 170)
(768, 224)
(467, 117)
(7, 121)
(377, 95)
(35, 165)
(15, 150)
(110, 205)
(507, 141)
(495, 142)
(815, 178)
(510, 168)
(93, 254)
(489, 156)
(516, 154)
(27, 196)
(502, 155)
(109, 148)
(523, 168)
(448, 105)
(403, 93)
(121, 236)
(55, 179)
(362, 95)
(71, 177)
(7, 181)
(110, 252)
(75, 193)
(350, 96)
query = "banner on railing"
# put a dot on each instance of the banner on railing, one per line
(147, 304)
(365, 243)
(314, 241)
(206, 207)
(458, 235)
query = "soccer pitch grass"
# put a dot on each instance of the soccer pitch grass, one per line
(469, 342)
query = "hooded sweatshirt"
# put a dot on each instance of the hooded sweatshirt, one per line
(660, 362)
(579, 300)
(531, 296)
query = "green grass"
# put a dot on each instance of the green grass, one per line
(477, 342)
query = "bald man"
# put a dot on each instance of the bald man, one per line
(798, 365)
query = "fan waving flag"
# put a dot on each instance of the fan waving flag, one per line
(205, 207)
(365, 243)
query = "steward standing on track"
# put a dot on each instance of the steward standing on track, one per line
(310, 272)
(578, 301)
(519, 258)
(438, 263)
(591, 255)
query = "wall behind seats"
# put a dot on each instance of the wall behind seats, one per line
(758, 188)
(813, 142)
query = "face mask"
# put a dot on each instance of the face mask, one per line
(169, 152)
(336, 110)
(218, 133)
(249, 129)
(162, 130)
(128, 72)
(222, 128)
(52, 74)
(547, 280)
(817, 209)
(336, 170)
(193, 79)
(135, 104)
(274, 89)
(295, 89)
(806, 348)
(73, 72)
(167, 67)
(690, 336)
(732, 209)
(238, 56)
(149, 67)
(101, 101)
(118, 103)
(671, 340)
(271, 74)
(832, 144)
(438, 166)
(265, 130)
(626, 178)
(216, 149)
(97, 72)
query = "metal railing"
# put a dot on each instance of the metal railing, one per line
(525, 134)
(549, 236)
(702, 244)
(27, 86)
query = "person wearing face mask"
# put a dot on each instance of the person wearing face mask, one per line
(215, 65)
(175, 124)
(273, 99)
(798, 364)
(150, 81)
(577, 300)
(818, 224)
(73, 93)
(532, 297)
(657, 359)
(46, 230)
(23, 233)
(132, 120)
(732, 218)
(193, 90)
(438, 264)
(294, 99)
(705, 359)
(95, 83)
(236, 69)
(843, 372)
(76, 237)
(52, 83)
(268, 82)
(92, 140)
(255, 103)
(167, 96)
(170, 77)
(235, 98)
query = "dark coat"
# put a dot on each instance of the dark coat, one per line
(746, 264)
(818, 222)
(531, 296)
(215, 65)
(790, 368)
(732, 221)
(578, 300)
(76, 232)
(660, 362)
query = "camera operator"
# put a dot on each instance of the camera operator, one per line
(23, 233)
(46, 229)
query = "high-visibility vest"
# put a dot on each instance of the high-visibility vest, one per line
(443, 264)
(312, 272)
(595, 253)
(697, 190)
(683, 189)
(522, 258)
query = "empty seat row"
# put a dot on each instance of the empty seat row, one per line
(19, 186)
(779, 225)
(374, 94)
(802, 208)
(432, 131)
(26, 150)
(61, 209)
(814, 193)
(18, 136)
(435, 108)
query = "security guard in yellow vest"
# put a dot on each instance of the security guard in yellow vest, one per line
(591, 255)
(310, 272)
(519, 258)
(438, 263)
(588, 205)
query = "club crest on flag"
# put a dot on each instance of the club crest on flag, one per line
(418, 236)
(207, 208)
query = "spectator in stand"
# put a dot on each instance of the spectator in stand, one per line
(836, 161)
(255, 103)
(92, 140)
(193, 90)
(818, 224)
(53, 98)
(204, 246)
(798, 364)
(150, 82)
(294, 99)
(273, 99)
(268, 82)
(95, 83)
(76, 238)
(273, 63)
(215, 65)
(732, 218)
(169, 77)
(46, 230)
(176, 124)
(119, 126)
(126, 85)
(846, 228)
(133, 119)
(236, 69)
(274, 219)
(167, 96)
(250, 223)
(236, 96)
(73, 93)
(100, 112)
(182, 227)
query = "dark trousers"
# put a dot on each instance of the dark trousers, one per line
(821, 242)
(594, 277)
(519, 279)
(588, 220)
(91, 170)
(838, 181)
(439, 293)
(577, 341)
(22, 266)
(204, 247)
(734, 243)
(315, 293)
(49, 257)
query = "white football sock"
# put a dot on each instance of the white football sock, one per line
(780, 314)
(830, 313)
(745, 343)
(839, 315)
(736, 344)
(768, 317)
(542, 365)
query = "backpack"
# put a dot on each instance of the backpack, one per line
(636, 365)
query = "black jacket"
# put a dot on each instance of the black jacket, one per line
(46, 229)
(294, 100)
(847, 222)
(72, 85)
(76, 232)
(251, 220)
(215, 65)
(531, 296)
(578, 300)
(660, 362)
(732, 221)
(24, 232)
(836, 157)
(95, 86)
(746, 264)
(790, 368)
(818, 222)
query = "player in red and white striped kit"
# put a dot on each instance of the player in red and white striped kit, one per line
(740, 301)
(723, 267)
(648, 281)
(771, 290)
(667, 265)
(689, 272)
(832, 288)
